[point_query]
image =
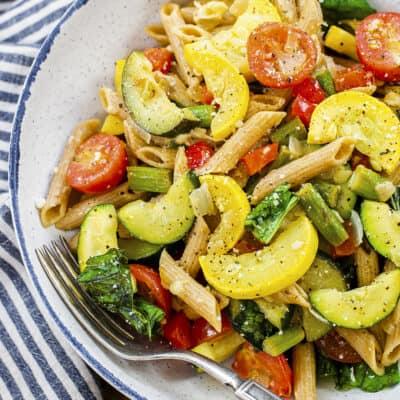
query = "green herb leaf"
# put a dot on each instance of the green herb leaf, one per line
(265, 219)
(337, 10)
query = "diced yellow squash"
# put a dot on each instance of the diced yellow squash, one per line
(232, 203)
(373, 125)
(266, 271)
(229, 88)
(113, 125)
(341, 41)
(119, 69)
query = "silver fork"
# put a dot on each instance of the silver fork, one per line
(61, 268)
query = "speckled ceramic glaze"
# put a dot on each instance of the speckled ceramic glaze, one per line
(62, 90)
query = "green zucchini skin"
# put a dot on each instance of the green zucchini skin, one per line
(163, 221)
(98, 233)
(362, 307)
(382, 228)
(149, 105)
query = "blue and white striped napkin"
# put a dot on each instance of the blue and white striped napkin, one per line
(35, 360)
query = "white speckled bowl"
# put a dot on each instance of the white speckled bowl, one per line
(61, 90)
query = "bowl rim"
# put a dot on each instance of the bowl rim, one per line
(13, 183)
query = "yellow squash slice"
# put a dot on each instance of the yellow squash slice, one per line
(233, 206)
(265, 271)
(371, 122)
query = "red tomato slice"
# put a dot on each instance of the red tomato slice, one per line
(335, 347)
(256, 160)
(247, 244)
(160, 58)
(206, 97)
(352, 77)
(198, 154)
(99, 164)
(202, 331)
(281, 55)
(358, 158)
(311, 90)
(378, 45)
(177, 331)
(274, 373)
(303, 109)
(152, 280)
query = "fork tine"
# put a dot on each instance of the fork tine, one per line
(76, 304)
(71, 268)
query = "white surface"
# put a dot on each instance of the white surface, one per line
(64, 93)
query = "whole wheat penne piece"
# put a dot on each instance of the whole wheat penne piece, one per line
(182, 285)
(304, 372)
(56, 202)
(305, 168)
(75, 215)
(229, 154)
(112, 103)
(159, 157)
(367, 265)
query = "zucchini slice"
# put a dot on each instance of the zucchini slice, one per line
(98, 233)
(362, 307)
(382, 228)
(163, 221)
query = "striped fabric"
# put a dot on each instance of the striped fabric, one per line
(35, 360)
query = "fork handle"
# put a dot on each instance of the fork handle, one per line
(245, 390)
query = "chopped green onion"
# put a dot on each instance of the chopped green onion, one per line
(149, 179)
(204, 113)
(282, 341)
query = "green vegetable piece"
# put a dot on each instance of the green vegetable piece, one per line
(249, 321)
(329, 192)
(395, 199)
(282, 341)
(277, 313)
(163, 221)
(346, 202)
(137, 249)
(322, 274)
(351, 376)
(336, 10)
(326, 368)
(382, 228)
(107, 279)
(266, 218)
(362, 307)
(324, 218)
(204, 114)
(327, 83)
(149, 179)
(371, 185)
(294, 127)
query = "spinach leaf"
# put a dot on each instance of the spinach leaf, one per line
(107, 279)
(325, 366)
(265, 219)
(336, 10)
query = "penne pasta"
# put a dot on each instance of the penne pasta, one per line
(264, 102)
(112, 103)
(287, 9)
(181, 166)
(304, 371)
(210, 14)
(159, 157)
(196, 246)
(367, 265)
(56, 202)
(228, 155)
(157, 32)
(293, 294)
(196, 296)
(305, 168)
(75, 215)
(366, 345)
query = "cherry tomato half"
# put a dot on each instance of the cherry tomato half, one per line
(337, 348)
(280, 55)
(177, 331)
(206, 97)
(378, 45)
(352, 77)
(202, 331)
(303, 109)
(348, 247)
(274, 373)
(198, 154)
(152, 280)
(160, 58)
(99, 164)
(311, 90)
